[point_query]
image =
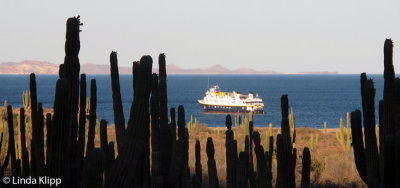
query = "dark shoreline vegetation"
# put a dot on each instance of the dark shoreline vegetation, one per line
(155, 149)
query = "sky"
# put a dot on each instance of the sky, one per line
(346, 36)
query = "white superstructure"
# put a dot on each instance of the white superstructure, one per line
(215, 100)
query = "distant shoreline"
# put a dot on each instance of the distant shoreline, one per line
(44, 67)
(173, 74)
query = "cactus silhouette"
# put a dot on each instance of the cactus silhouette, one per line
(92, 116)
(108, 157)
(11, 142)
(128, 161)
(22, 144)
(156, 167)
(268, 157)
(21, 125)
(172, 129)
(95, 165)
(261, 161)
(378, 168)
(252, 175)
(286, 155)
(37, 131)
(231, 154)
(71, 73)
(25, 163)
(119, 118)
(167, 132)
(198, 176)
(40, 140)
(49, 133)
(61, 122)
(242, 170)
(212, 168)
(305, 172)
(82, 118)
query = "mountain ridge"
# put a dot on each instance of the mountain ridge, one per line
(44, 67)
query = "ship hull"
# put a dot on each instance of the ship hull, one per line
(229, 109)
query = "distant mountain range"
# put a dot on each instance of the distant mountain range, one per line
(43, 67)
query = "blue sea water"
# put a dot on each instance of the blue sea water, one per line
(314, 98)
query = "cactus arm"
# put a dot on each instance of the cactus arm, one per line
(199, 174)
(155, 115)
(348, 142)
(212, 169)
(156, 167)
(21, 131)
(168, 134)
(82, 118)
(5, 140)
(61, 121)
(119, 118)
(172, 125)
(358, 144)
(231, 154)
(49, 127)
(163, 89)
(92, 116)
(34, 122)
(281, 178)
(40, 140)
(269, 161)
(95, 161)
(103, 136)
(80, 151)
(305, 172)
(261, 161)
(371, 149)
(388, 118)
(128, 163)
(11, 141)
(108, 159)
(25, 163)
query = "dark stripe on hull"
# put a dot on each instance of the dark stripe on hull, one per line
(227, 109)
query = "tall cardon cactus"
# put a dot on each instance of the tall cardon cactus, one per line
(167, 134)
(261, 161)
(119, 118)
(286, 155)
(305, 172)
(379, 168)
(231, 154)
(11, 142)
(212, 168)
(58, 164)
(92, 116)
(129, 160)
(156, 164)
(198, 176)
(37, 131)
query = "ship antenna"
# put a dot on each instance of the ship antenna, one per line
(208, 86)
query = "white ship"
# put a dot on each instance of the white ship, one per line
(218, 101)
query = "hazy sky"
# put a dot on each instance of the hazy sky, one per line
(285, 36)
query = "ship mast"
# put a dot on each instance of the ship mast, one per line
(208, 86)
